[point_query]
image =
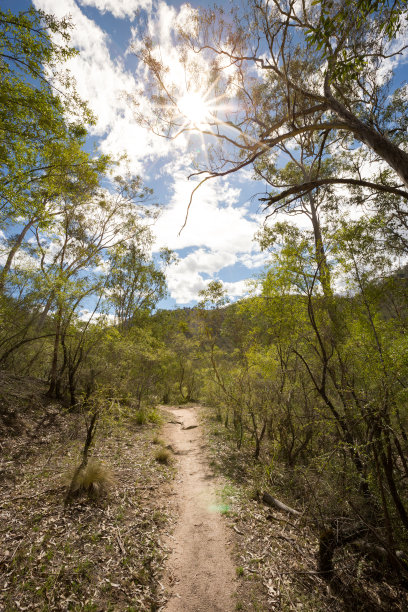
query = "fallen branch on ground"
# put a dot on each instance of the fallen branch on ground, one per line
(272, 501)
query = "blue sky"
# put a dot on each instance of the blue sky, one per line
(217, 242)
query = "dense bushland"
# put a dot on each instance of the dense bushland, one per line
(309, 374)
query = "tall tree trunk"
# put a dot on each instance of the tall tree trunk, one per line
(395, 157)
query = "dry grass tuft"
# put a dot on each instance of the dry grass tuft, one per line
(95, 479)
(163, 455)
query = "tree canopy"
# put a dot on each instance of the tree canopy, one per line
(280, 71)
(77, 238)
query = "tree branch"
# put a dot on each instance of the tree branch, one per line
(304, 188)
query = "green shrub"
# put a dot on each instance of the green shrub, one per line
(143, 416)
(154, 417)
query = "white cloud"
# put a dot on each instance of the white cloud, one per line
(106, 85)
(118, 8)
(219, 228)
(4, 248)
(207, 262)
(237, 288)
(213, 220)
(398, 46)
(184, 284)
(253, 260)
(87, 315)
(300, 220)
(185, 279)
(25, 261)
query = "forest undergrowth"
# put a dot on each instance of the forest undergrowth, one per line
(104, 553)
(308, 369)
(108, 553)
(276, 554)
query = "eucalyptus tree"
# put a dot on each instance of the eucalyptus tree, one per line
(236, 381)
(178, 330)
(382, 378)
(78, 178)
(42, 127)
(37, 97)
(135, 283)
(282, 69)
(75, 238)
(84, 234)
(357, 378)
(66, 262)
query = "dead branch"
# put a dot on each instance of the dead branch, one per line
(272, 501)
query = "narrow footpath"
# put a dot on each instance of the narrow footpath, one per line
(200, 574)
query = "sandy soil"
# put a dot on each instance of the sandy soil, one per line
(200, 575)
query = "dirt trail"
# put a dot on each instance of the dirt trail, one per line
(200, 575)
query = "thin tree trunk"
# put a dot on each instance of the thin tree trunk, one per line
(54, 364)
(17, 244)
(90, 434)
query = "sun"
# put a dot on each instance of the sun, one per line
(194, 107)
